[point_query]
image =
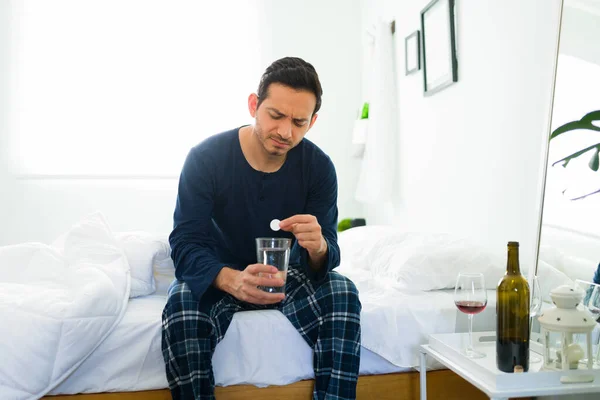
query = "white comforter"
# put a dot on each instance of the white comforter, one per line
(57, 306)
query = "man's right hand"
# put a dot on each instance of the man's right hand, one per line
(243, 285)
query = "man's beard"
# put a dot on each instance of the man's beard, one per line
(264, 139)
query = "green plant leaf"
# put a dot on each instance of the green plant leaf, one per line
(591, 116)
(568, 158)
(595, 160)
(586, 122)
(365, 111)
(344, 224)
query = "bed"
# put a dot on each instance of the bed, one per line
(130, 359)
(399, 311)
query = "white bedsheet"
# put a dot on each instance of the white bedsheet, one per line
(130, 358)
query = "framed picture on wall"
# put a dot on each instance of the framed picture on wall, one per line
(412, 52)
(439, 46)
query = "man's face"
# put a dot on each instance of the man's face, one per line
(283, 118)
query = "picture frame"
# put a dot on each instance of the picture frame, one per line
(412, 52)
(440, 64)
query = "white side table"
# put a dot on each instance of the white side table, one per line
(483, 374)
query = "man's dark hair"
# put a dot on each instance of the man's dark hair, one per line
(293, 72)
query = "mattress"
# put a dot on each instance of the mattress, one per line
(130, 359)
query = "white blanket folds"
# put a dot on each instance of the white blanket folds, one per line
(57, 306)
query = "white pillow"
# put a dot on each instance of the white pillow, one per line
(356, 243)
(574, 266)
(149, 258)
(552, 256)
(143, 250)
(550, 278)
(579, 268)
(432, 261)
(418, 260)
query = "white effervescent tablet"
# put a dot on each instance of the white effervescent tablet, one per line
(275, 224)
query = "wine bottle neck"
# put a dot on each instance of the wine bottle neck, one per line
(512, 265)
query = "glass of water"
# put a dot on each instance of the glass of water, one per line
(275, 252)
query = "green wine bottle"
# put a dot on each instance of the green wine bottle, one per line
(512, 313)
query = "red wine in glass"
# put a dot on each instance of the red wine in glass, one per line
(470, 297)
(471, 307)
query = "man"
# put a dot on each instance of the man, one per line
(231, 187)
(590, 290)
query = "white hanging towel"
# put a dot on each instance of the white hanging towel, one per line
(359, 137)
(377, 171)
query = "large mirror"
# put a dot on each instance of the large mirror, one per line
(570, 227)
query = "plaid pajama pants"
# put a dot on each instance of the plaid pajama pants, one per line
(326, 315)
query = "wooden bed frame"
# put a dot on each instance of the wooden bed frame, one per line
(441, 385)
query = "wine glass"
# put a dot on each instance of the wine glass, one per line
(470, 297)
(535, 306)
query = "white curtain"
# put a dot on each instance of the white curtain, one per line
(126, 87)
(378, 166)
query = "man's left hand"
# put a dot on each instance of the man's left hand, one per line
(308, 234)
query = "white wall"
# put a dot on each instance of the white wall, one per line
(38, 210)
(470, 156)
(5, 198)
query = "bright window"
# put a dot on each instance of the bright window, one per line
(576, 94)
(126, 87)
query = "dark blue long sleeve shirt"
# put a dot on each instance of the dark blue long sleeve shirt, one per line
(223, 204)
